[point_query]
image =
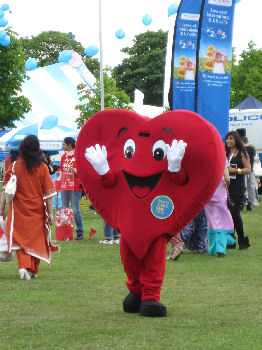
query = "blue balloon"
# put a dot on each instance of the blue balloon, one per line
(2, 34)
(1, 14)
(31, 64)
(120, 34)
(91, 50)
(172, 9)
(147, 19)
(5, 7)
(6, 41)
(49, 122)
(65, 56)
(3, 22)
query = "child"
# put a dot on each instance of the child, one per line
(190, 70)
(219, 64)
(220, 223)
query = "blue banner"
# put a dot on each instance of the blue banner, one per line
(182, 88)
(214, 62)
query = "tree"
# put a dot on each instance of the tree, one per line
(145, 67)
(47, 46)
(246, 75)
(12, 74)
(113, 98)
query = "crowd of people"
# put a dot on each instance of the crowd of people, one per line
(216, 228)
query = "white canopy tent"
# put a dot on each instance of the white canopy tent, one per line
(52, 91)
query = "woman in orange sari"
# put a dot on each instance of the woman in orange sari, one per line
(31, 211)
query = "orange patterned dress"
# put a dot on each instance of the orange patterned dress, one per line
(27, 228)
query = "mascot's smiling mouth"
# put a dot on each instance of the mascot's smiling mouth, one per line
(142, 186)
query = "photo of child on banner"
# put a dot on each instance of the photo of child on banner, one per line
(185, 69)
(214, 60)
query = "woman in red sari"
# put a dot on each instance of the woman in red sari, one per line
(31, 211)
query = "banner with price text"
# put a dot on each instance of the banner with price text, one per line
(201, 61)
(214, 62)
(182, 89)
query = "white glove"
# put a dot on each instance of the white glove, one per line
(175, 154)
(98, 158)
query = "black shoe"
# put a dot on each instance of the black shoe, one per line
(132, 303)
(249, 206)
(79, 238)
(244, 243)
(152, 308)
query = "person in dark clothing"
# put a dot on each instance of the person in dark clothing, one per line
(239, 166)
(47, 160)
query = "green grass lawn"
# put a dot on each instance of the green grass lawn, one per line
(76, 303)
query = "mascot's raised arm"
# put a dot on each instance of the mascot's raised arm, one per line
(148, 186)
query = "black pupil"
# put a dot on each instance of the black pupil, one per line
(129, 152)
(159, 154)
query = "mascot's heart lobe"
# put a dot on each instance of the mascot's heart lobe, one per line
(163, 207)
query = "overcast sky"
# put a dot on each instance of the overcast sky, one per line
(81, 17)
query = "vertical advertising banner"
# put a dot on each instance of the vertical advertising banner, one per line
(214, 63)
(182, 87)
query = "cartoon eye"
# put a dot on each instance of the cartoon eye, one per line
(129, 148)
(159, 150)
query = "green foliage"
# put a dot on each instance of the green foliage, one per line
(144, 68)
(12, 75)
(91, 98)
(47, 46)
(247, 75)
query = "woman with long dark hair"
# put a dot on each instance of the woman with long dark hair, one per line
(31, 211)
(239, 165)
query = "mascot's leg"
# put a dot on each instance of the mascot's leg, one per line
(132, 267)
(151, 278)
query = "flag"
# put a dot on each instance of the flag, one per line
(182, 88)
(201, 60)
(214, 63)
(92, 232)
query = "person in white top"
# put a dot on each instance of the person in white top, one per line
(190, 70)
(219, 62)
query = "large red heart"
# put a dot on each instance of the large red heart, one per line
(128, 210)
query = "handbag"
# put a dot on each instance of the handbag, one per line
(10, 188)
(5, 255)
(230, 203)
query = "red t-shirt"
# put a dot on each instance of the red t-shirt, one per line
(67, 162)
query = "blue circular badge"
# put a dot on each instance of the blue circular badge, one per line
(162, 207)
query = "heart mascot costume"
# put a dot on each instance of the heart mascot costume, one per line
(148, 178)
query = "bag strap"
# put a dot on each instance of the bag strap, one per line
(13, 168)
(228, 195)
(12, 216)
(226, 186)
